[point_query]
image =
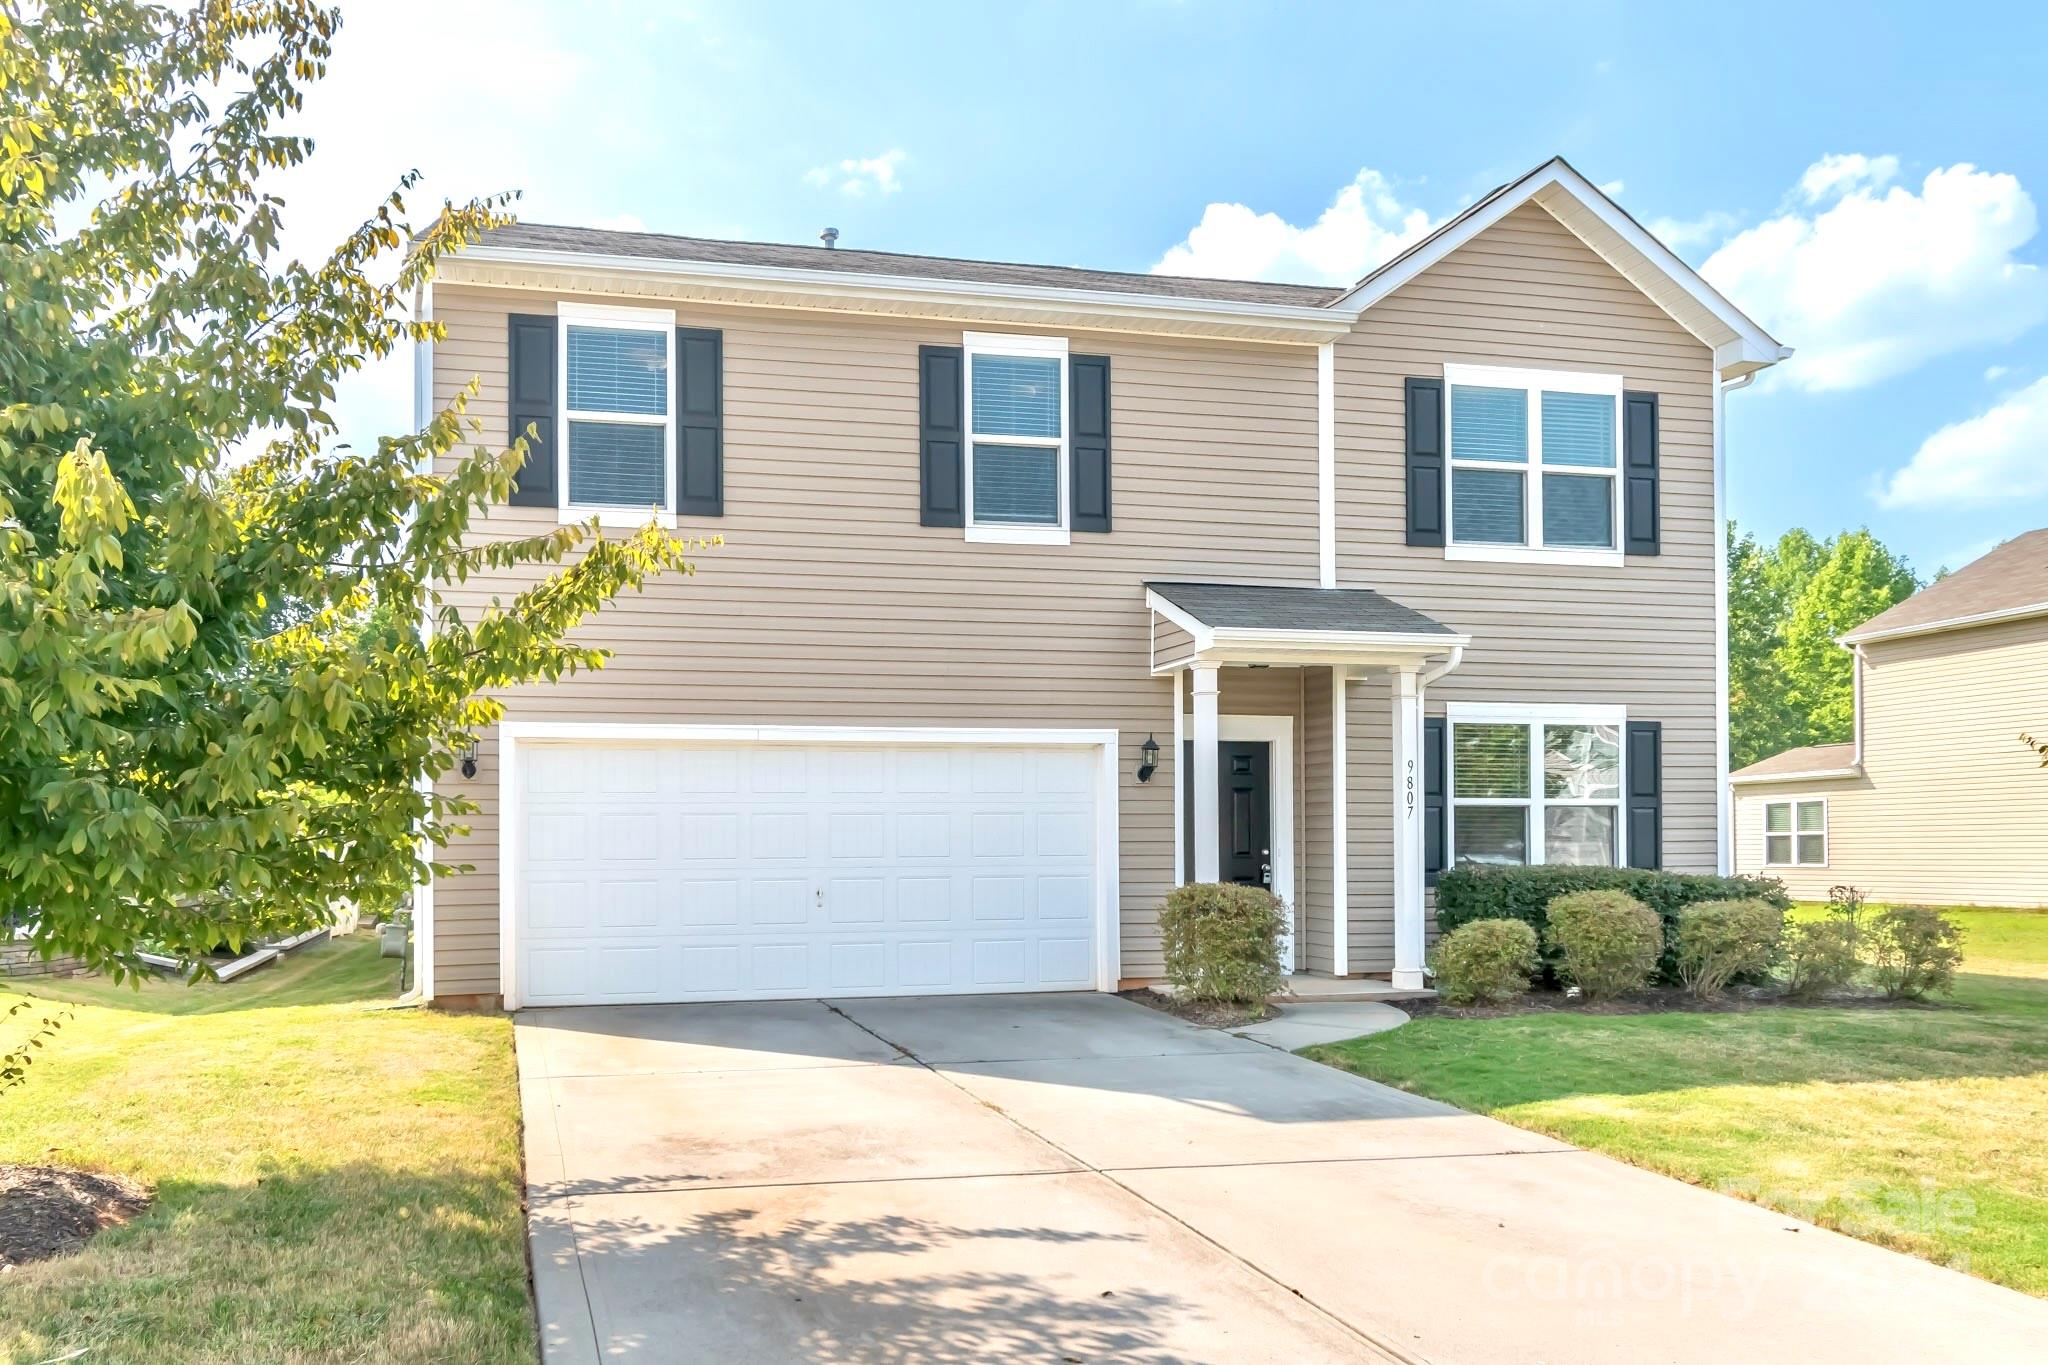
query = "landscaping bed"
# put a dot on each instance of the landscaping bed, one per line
(1202, 1013)
(333, 1178)
(50, 1211)
(1661, 1000)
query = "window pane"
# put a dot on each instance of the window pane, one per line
(1489, 424)
(1813, 849)
(1578, 428)
(1016, 485)
(1778, 848)
(1812, 817)
(1491, 760)
(1486, 507)
(1581, 836)
(1582, 761)
(612, 464)
(1778, 819)
(1578, 510)
(616, 371)
(1016, 395)
(1492, 834)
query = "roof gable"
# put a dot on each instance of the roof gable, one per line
(2007, 584)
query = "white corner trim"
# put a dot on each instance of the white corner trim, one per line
(1340, 823)
(515, 736)
(423, 416)
(1326, 463)
(1724, 796)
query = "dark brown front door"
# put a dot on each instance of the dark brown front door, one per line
(1244, 811)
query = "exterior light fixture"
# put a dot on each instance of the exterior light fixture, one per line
(468, 755)
(1148, 759)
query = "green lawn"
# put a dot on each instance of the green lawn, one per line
(1921, 1129)
(335, 1180)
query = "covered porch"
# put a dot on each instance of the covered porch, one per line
(1298, 740)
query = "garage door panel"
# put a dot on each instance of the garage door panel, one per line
(746, 872)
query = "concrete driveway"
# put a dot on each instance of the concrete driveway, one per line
(1077, 1178)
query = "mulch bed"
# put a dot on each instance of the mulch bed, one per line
(1657, 1000)
(1201, 1013)
(50, 1211)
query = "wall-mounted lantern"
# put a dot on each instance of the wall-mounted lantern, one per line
(468, 755)
(1148, 759)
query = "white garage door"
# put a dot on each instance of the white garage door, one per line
(671, 872)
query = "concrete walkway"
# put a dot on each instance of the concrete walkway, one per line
(1080, 1178)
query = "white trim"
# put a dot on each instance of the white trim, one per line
(514, 735)
(1411, 934)
(662, 322)
(1278, 732)
(1205, 687)
(1180, 852)
(1982, 618)
(1326, 463)
(1793, 803)
(1535, 717)
(1724, 796)
(1340, 823)
(1811, 775)
(1057, 532)
(422, 417)
(1856, 698)
(1739, 345)
(1532, 469)
(914, 295)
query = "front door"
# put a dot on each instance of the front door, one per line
(1244, 811)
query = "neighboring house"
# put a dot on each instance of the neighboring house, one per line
(1936, 800)
(1425, 567)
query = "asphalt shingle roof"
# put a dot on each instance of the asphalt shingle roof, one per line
(851, 261)
(1267, 608)
(2013, 576)
(1814, 758)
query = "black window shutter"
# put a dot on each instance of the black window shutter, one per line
(530, 398)
(1088, 444)
(700, 422)
(1645, 793)
(1639, 472)
(1425, 461)
(940, 409)
(1432, 798)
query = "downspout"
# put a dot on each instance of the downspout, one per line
(423, 415)
(1724, 792)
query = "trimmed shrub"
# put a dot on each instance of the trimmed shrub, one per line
(1718, 941)
(1914, 950)
(1607, 942)
(1820, 956)
(1222, 941)
(1472, 892)
(1485, 960)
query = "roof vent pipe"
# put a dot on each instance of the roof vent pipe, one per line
(830, 237)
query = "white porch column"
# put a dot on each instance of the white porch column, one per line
(1203, 775)
(1340, 822)
(1408, 927)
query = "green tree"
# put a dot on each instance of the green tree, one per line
(1789, 682)
(218, 693)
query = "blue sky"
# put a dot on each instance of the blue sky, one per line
(1863, 179)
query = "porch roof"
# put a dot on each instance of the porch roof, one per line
(1230, 623)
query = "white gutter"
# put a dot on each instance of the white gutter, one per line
(1435, 671)
(1814, 775)
(1983, 618)
(1724, 792)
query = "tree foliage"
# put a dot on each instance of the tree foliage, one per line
(1789, 683)
(218, 692)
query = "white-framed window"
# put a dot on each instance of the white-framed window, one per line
(1796, 833)
(1535, 464)
(1536, 784)
(1017, 430)
(618, 446)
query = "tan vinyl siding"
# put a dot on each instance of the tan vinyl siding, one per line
(1528, 293)
(1170, 644)
(1952, 809)
(829, 604)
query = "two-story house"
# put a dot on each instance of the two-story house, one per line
(1935, 800)
(1044, 589)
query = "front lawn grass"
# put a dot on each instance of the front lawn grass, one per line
(335, 1179)
(1919, 1128)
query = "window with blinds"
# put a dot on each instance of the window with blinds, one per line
(616, 410)
(1534, 458)
(1017, 435)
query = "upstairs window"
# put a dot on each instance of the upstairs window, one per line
(1535, 457)
(1536, 785)
(1796, 834)
(620, 451)
(1016, 476)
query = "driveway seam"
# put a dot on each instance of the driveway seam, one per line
(1387, 1349)
(575, 1234)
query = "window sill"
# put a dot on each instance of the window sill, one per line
(1525, 554)
(1019, 535)
(625, 518)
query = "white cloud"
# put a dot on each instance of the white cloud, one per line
(858, 176)
(1994, 373)
(1868, 282)
(1682, 234)
(1998, 456)
(1364, 226)
(1837, 174)
(1613, 187)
